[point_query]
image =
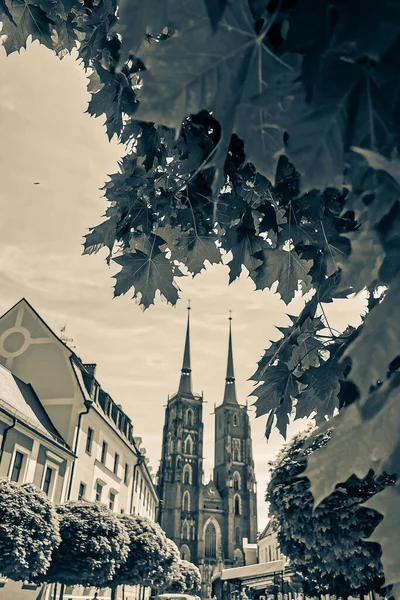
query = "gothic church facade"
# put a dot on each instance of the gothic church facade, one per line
(208, 522)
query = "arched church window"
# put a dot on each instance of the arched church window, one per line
(189, 445)
(187, 474)
(185, 530)
(185, 552)
(236, 481)
(238, 507)
(189, 417)
(186, 501)
(238, 540)
(236, 450)
(235, 420)
(211, 541)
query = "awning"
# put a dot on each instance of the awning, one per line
(254, 576)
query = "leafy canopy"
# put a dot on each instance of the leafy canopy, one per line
(265, 134)
(327, 546)
(184, 577)
(29, 531)
(149, 559)
(94, 544)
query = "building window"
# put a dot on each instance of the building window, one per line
(141, 488)
(188, 445)
(82, 491)
(187, 474)
(185, 530)
(237, 537)
(48, 476)
(236, 450)
(237, 505)
(116, 463)
(186, 501)
(122, 511)
(104, 449)
(211, 541)
(235, 420)
(17, 466)
(185, 552)
(236, 481)
(126, 474)
(189, 417)
(111, 501)
(89, 440)
(99, 490)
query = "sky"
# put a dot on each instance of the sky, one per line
(46, 137)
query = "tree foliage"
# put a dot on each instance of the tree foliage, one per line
(268, 133)
(183, 577)
(29, 531)
(326, 546)
(94, 544)
(192, 576)
(149, 559)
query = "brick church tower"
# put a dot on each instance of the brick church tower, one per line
(208, 522)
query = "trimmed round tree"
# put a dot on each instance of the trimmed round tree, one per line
(149, 557)
(183, 576)
(94, 544)
(175, 580)
(191, 576)
(326, 546)
(29, 531)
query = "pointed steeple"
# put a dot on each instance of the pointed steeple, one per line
(230, 388)
(185, 384)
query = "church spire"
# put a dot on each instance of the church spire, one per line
(230, 389)
(185, 384)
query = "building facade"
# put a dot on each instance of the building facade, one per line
(268, 546)
(208, 522)
(73, 418)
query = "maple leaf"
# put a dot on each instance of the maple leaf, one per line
(316, 143)
(370, 42)
(115, 98)
(136, 20)
(193, 250)
(379, 162)
(147, 275)
(215, 9)
(101, 236)
(238, 78)
(305, 350)
(362, 269)
(245, 246)
(287, 268)
(323, 387)
(279, 386)
(381, 333)
(27, 18)
(387, 533)
(64, 36)
(349, 449)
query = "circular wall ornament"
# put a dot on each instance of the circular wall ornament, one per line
(14, 342)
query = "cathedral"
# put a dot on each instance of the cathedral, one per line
(208, 522)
